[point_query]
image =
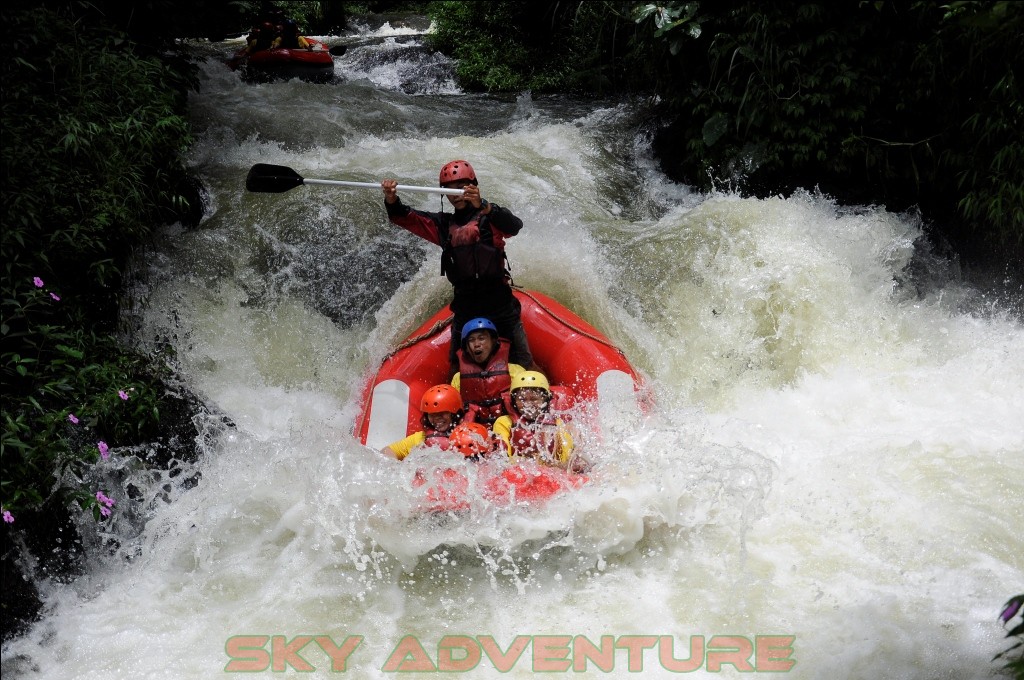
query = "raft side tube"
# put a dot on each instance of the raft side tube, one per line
(576, 358)
(389, 413)
(579, 362)
(416, 368)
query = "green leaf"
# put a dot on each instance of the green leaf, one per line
(77, 354)
(714, 128)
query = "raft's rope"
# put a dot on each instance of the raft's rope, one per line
(569, 325)
(444, 323)
(431, 332)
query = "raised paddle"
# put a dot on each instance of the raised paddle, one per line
(264, 178)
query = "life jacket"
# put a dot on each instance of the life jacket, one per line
(264, 39)
(436, 438)
(484, 387)
(527, 437)
(290, 40)
(469, 253)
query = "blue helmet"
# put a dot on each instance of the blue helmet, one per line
(479, 324)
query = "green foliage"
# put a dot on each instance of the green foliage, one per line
(918, 103)
(305, 13)
(979, 44)
(787, 77)
(513, 46)
(472, 34)
(156, 24)
(94, 136)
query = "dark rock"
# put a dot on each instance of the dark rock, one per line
(46, 545)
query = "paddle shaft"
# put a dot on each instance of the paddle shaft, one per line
(276, 179)
(372, 185)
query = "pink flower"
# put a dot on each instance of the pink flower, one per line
(55, 296)
(8, 517)
(73, 418)
(104, 449)
(1012, 607)
(105, 503)
(123, 395)
(38, 281)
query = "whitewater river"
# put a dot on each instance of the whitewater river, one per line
(832, 472)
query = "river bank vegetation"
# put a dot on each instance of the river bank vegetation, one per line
(94, 137)
(900, 103)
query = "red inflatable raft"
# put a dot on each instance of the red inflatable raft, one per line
(579, 361)
(582, 365)
(447, 489)
(282, 63)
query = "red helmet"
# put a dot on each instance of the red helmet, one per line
(453, 171)
(441, 399)
(471, 439)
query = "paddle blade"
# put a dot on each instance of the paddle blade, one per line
(338, 50)
(271, 179)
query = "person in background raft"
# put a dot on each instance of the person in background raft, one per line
(261, 37)
(290, 38)
(485, 373)
(441, 407)
(530, 430)
(472, 241)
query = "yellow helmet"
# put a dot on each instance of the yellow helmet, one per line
(530, 379)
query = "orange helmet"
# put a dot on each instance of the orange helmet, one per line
(441, 399)
(456, 170)
(471, 439)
